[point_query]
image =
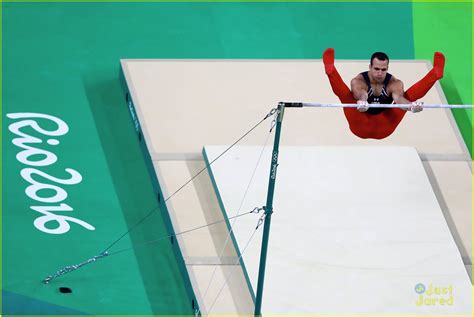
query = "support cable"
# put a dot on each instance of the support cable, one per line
(74, 267)
(273, 111)
(105, 252)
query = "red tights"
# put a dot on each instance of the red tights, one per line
(378, 126)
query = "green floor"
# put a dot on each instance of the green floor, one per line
(63, 60)
(447, 27)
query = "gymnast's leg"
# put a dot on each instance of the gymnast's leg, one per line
(358, 122)
(419, 89)
(337, 84)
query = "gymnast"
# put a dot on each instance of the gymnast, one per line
(377, 86)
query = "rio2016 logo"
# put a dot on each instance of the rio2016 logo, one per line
(34, 157)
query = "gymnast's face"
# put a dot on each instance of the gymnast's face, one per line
(378, 70)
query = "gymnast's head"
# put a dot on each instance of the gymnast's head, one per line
(378, 66)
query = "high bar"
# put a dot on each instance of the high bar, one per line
(354, 105)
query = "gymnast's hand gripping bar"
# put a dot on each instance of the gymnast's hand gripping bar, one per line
(354, 105)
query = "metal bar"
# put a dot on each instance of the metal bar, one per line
(354, 105)
(268, 213)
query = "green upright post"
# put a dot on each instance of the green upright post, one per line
(268, 212)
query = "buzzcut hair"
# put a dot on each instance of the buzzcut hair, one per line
(381, 56)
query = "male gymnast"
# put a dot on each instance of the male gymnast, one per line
(377, 86)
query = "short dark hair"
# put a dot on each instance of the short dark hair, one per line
(381, 56)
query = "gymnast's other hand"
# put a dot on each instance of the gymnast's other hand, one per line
(363, 105)
(416, 106)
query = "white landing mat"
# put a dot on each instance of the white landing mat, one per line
(355, 230)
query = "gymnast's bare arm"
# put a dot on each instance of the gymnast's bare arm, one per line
(395, 87)
(359, 88)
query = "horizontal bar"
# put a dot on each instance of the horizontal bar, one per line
(354, 105)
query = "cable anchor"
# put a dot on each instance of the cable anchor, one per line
(257, 210)
(71, 268)
(271, 113)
